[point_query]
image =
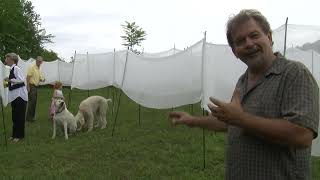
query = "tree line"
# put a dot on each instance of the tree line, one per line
(21, 32)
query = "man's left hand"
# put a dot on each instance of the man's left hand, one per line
(227, 112)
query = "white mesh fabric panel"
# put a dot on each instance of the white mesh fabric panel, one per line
(80, 76)
(316, 66)
(278, 36)
(100, 70)
(165, 82)
(93, 71)
(119, 63)
(221, 73)
(65, 72)
(162, 54)
(297, 35)
(305, 57)
(24, 65)
(50, 72)
(4, 73)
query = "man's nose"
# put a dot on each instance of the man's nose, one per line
(249, 43)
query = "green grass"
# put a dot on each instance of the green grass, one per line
(151, 150)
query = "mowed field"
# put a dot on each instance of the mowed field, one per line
(144, 145)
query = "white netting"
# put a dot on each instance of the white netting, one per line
(50, 72)
(297, 36)
(57, 71)
(304, 57)
(162, 54)
(119, 63)
(65, 72)
(221, 72)
(24, 65)
(93, 71)
(165, 82)
(4, 73)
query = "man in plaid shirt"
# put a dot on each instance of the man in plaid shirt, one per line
(274, 112)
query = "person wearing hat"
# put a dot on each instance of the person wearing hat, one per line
(34, 77)
(17, 96)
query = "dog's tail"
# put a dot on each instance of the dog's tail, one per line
(106, 102)
(109, 100)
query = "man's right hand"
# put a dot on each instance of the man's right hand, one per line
(182, 118)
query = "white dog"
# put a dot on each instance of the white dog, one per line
(89, 108)
(63, 118)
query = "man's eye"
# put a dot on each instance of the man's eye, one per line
(255, 35)
(239, 42)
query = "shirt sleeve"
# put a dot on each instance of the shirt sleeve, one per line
(300, 103)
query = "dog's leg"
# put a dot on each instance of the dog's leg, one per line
(90, 121)
(65, 126)
(102, 114)
(103, 120)
(54, 129)
(98, 121)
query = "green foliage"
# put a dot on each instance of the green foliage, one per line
(20, 29)
(49, 55)
(134, 35)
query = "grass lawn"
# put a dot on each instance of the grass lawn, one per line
(149, 150)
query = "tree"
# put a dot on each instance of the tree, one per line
(20, 29)
(49, 55)
(134, 35)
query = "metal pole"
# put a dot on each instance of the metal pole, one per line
(119, 100)
(139, 114)
(285, 38)
(88, 90)
(202, 86)
(116, 117)
(70, 91)
(203, 62)
(114, 70)
(4, 127)
(204, 144)
(312, 63)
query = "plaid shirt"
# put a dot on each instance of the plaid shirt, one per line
(286, 91)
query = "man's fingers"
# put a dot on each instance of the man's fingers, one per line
(175, 121)
(214, 109)
(175, 114)
(216, 101)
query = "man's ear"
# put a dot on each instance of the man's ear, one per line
(270, 38)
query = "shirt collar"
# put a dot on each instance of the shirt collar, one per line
(277, 66)
(12, 66)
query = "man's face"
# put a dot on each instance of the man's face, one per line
(9, 61)
(39, 62)
(252, 45)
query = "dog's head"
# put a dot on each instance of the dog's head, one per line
(80, 119)
(60, 105)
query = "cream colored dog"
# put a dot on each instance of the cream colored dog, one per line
(93, 106)
(64, 119)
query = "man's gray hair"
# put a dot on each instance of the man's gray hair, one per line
(13, 56)
(242, 17)
(39, 58)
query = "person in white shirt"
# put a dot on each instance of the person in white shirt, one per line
(17, 96)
